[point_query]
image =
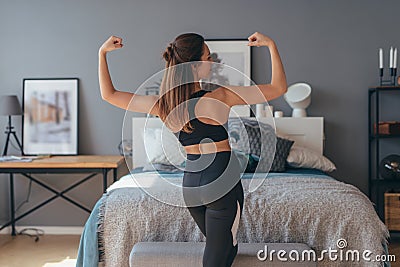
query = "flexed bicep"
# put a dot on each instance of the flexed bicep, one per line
(134, 102)
(255, 94)
(249, 95)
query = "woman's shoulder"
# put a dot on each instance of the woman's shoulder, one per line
(218, 93)
(208, 103)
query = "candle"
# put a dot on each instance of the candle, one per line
(391, 57)
(269, 111)
(380, 58)
(395, 58)
(260, 110)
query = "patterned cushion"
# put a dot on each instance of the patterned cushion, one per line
(283, 147)
(281, 151)
(238, 137)
(254, 139)
(272, 150)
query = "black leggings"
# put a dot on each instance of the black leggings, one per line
(217, 209)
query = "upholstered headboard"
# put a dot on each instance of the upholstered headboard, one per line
(307, 132)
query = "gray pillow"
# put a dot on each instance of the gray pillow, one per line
(272, 150)
(283, 147)
(264, 148)
(238, 137)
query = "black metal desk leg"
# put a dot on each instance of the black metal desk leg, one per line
(115, 174)
(105, 171)
(12, 204)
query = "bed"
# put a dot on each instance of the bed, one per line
(301, 204)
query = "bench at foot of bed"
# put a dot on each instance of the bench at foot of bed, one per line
(184, 254)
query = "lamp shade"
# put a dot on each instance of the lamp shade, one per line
(9, 105)
(298, 96)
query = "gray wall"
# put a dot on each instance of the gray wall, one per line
(332, 45)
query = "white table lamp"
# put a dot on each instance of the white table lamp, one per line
(298, 96)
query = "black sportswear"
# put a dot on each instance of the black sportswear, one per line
(212, 190)
(201, 130)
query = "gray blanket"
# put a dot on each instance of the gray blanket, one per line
(304, 209)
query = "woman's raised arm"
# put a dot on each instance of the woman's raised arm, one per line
(140, 103)
(247, 95)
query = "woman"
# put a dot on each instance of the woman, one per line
(210, 166)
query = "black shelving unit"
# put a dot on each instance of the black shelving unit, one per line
(378, 185)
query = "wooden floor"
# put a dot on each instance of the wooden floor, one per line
(49, 251)
(61, 250)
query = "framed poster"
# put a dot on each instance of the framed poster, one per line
(50, 116)
(237, 55)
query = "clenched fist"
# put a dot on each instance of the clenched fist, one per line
(259, 39)
(111, 44)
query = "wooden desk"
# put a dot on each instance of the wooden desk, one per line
(93, 164)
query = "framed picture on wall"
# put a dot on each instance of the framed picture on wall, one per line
(236, 54)
(50, 120)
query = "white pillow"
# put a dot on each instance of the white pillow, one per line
(162, 146)
(302, 157)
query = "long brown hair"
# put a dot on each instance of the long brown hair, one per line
(177, 83)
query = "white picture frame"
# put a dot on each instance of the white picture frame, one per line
(50, 116)
(236, 54)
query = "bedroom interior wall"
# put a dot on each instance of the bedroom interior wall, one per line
(333, 45)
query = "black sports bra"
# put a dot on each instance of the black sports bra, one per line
(201, 130)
